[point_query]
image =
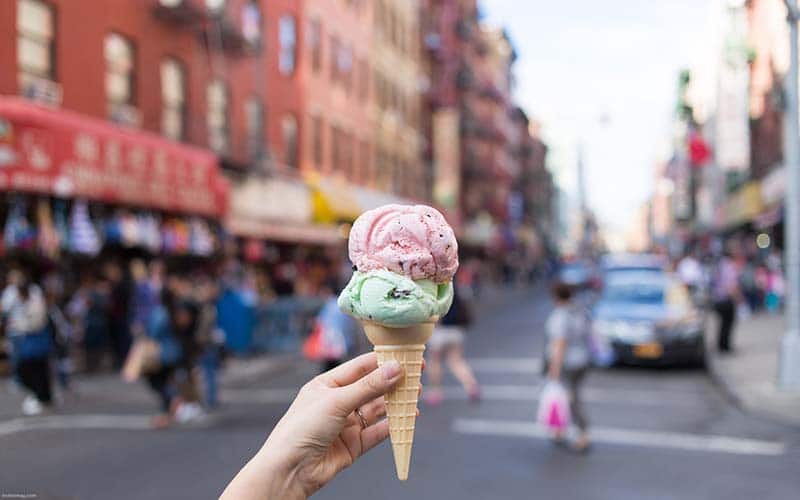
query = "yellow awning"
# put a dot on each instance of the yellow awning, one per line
(332, 199)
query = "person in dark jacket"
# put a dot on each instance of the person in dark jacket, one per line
(447, 342)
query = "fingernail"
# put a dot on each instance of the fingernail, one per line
(391, 369)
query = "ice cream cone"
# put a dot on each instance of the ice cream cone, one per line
(405, 345)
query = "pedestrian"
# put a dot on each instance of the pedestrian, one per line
(60, 329)
(161, 379)
(210, 338)
(447, 342)
(120, 294)
(97, 323)
(748, 284)
(184, 317)
(690, 272)
(24, 317)
(336, 330)
(568, 357)
(725, 294)
(334, 420)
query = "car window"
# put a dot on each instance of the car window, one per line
(641, 287)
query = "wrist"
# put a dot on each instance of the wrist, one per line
(265, 477)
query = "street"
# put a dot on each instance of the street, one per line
(658, 434)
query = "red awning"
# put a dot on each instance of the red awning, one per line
(65, 154)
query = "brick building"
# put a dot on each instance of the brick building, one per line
(487, 169)
(317, 99)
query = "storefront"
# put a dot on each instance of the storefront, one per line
(77, 186)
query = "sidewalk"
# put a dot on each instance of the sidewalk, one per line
(107, 392)
(749, 375)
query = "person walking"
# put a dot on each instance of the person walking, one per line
(60, 329)
(568, 357)
(96, 334)
(725, 294)
(24, 314)
(210, 338)
(119, 317)
(161, 380)
(447, 342)
(337, 329)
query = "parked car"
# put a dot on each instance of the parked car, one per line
(648, 317)
(633, 262)
(578, 273)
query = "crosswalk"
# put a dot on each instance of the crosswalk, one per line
(628, 437)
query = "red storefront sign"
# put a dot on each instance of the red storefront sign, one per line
(61, 153)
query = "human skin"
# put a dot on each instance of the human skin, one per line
(320, 434)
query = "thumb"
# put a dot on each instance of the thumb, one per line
(375, 384)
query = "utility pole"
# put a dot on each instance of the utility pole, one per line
(789, 373)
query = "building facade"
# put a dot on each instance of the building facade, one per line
(486, 160)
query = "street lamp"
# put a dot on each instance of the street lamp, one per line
(789, 373)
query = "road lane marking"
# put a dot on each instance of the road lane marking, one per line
(517, 393)
(628, 437)
(92, 421)
(506, 365)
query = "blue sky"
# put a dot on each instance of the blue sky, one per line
(580, 60)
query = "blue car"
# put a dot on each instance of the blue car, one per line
(647, 316)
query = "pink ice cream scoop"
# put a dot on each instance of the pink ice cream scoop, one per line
(413, 240)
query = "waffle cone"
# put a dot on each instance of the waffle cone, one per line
(406, 346)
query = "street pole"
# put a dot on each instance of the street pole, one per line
(789, 373)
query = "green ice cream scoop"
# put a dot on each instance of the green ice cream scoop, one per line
(394, 300)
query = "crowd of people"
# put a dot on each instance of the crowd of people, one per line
(104, 322)
(735, 283)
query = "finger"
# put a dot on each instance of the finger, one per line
(374, 435)
(361, 392)
(374, 410)
(355, 369)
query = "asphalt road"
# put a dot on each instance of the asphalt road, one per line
(659, 434)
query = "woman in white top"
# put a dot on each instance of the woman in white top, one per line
(568, 356)
(24, 313)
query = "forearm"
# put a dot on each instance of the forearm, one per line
(263, 478)
(556, 359)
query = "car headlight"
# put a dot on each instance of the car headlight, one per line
(692, 326)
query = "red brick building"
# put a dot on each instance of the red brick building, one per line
(140, 63)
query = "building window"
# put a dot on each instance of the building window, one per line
(289, 129)
(334, 59)
(349, 156)
(215, 6)
(287, 39)
(254, 126)
(35, 34)
(365, 173)
(251, 23)
(173, 99)
(363, 80)
(315, 43)
(217, 116)
(336, 153)
(345, 66)
(316, 141)
(119, 57)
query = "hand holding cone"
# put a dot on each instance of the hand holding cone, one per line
(406, 257)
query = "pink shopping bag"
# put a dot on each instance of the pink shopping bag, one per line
(554, 407)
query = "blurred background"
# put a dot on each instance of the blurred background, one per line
(206, 158)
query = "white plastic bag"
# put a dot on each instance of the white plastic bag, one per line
(554, 407)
